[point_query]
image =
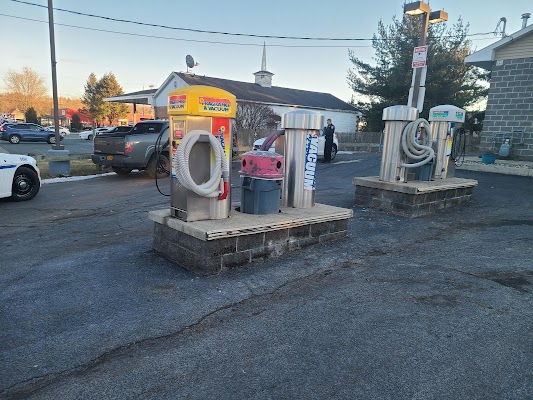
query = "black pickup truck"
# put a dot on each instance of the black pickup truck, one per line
(135, 149)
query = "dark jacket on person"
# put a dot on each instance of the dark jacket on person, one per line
(329, 130)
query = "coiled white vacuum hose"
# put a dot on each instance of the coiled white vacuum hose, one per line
(414, 150)
(211, 188)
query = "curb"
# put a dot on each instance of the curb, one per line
(518, 170)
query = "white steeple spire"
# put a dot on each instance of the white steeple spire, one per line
(264, 61)
(263, 77)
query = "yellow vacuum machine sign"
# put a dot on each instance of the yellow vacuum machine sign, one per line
(202, 100)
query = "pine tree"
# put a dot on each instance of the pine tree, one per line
(92, 99)
(108, 86)
(75, 124)
(449, 79)
(31, 116)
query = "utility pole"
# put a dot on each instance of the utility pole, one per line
(57, 145)
(59, 159)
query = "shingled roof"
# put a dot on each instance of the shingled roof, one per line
(245, 91)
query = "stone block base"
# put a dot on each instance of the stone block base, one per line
(211, 247)
(412, 199)
(59, 162)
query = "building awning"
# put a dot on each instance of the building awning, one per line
(486, 57)
(140, 97)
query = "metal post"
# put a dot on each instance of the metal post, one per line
(418, 71)
(301, 152)
(396, 118)
(57, 145)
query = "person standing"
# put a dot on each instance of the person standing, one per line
(329, 130)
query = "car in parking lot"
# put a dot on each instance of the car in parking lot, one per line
(89, 135)
(119, 129)
(26, 132)
(63, 130)
(321, 143)
(20, 178)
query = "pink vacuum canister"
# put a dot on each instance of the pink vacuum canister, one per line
(262, 165)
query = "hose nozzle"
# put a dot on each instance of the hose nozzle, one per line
(225, 192)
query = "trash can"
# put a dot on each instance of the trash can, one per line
(261, 182)
(260, 196)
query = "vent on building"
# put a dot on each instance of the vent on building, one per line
(525, 17)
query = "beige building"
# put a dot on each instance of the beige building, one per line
(509, 114)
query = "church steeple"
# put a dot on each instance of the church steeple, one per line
(264, 60)
(264, 77)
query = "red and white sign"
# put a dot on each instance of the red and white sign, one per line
(420, 54)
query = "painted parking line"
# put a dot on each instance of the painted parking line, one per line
(346, 162)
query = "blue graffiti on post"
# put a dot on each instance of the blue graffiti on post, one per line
(311, 157)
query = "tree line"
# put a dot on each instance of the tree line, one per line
(27, 92)
(25, 89)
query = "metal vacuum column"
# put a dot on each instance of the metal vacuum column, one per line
(442, 118)
(396, 118)
(301, 154)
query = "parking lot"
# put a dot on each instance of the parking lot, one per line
(73, 144)
(436, 307)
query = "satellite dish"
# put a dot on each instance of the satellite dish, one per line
(189, 61)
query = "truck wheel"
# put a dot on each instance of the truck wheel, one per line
(25, 184)
(160, 169)
(121, 171)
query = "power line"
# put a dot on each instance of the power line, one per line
(188, 29)
(179, 39)
(196, 40)
(209, 32)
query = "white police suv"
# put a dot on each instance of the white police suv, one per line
(19, 177)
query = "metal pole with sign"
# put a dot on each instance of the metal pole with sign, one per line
(418, 88)
(418, 83)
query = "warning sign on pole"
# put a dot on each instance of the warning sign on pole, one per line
(419, 56)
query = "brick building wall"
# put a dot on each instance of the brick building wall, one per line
(510, 107)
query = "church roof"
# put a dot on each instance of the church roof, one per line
(274, 95)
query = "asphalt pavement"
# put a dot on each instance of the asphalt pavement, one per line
(430, 308)
(72, 143)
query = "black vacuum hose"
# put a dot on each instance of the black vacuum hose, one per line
(158, 164)
(458, 146)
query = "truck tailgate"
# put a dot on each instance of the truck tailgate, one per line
(106, 144)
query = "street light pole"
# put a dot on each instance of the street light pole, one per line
(418, 72)
(418, 83)
(57, 145)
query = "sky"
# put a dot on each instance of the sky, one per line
(139, 62)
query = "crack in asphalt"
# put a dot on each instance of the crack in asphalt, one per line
(33, 385)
